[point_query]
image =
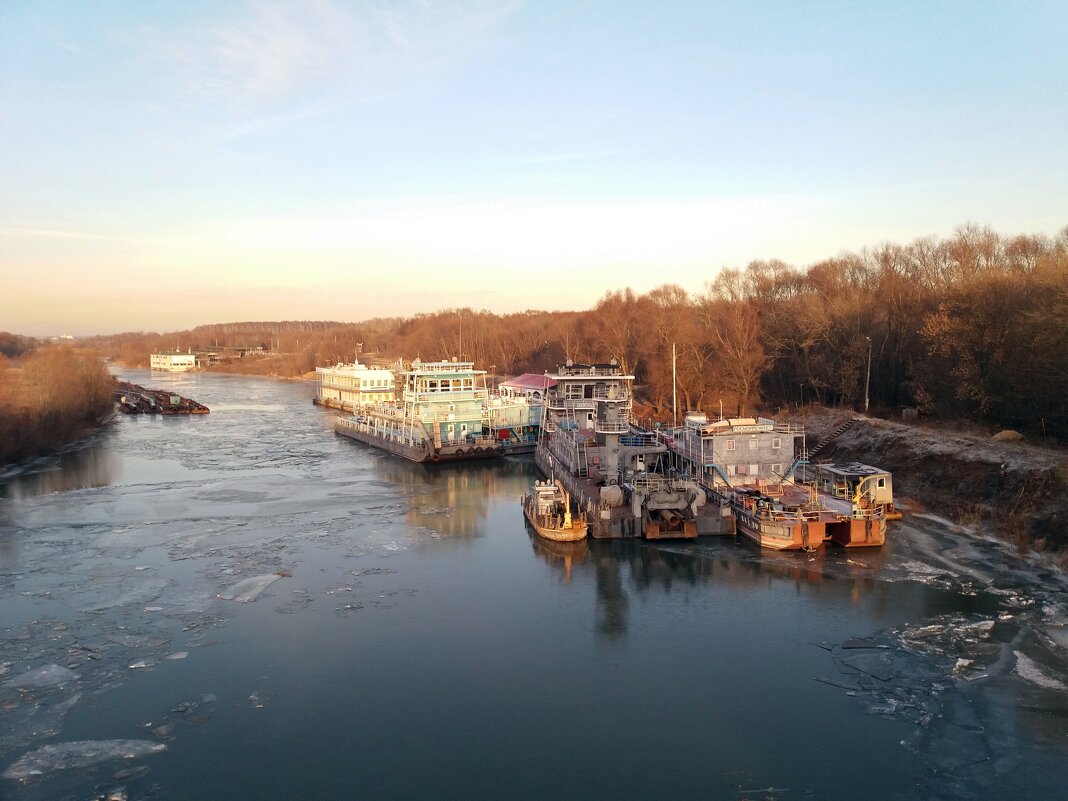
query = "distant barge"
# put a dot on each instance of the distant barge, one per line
(135, 399)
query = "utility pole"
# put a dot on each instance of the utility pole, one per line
(867, 377)
(674, 392)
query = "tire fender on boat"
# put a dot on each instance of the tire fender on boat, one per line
(459, 452)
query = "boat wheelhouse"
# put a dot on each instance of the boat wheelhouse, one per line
(438, 415)
(736, 451)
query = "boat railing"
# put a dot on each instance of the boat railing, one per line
(611, 426)
(448, 396)
(390, 432)
(569, 404)
(647, 481)
(637, 438)
(583, 370)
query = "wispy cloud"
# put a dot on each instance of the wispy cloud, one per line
(54, 233)
(275, 50)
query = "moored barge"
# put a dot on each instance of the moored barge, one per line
(135, 399)
(436, 418)
(616, 473)
(756, 470)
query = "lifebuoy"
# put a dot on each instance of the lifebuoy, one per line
(437, 456)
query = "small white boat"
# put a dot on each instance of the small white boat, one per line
(548, 509)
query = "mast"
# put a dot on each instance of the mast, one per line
(674, 392)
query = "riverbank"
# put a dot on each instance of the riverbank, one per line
(49, 400)
(1015, 490)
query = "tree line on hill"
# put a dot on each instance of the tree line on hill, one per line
(974, 326)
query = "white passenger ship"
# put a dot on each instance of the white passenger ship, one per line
(437, 416)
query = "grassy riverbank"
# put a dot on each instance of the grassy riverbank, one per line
(50, 398)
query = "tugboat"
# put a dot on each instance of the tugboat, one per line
(548, 509)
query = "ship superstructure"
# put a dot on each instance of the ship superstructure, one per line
(616, 473)
(351, 386)
(438, 415)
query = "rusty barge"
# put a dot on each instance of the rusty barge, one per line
(758, 470)
(615, 473)
(135, 399)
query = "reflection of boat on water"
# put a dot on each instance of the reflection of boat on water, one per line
(565, 554)
(548, 508)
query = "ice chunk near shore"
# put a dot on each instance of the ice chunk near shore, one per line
(78, 754)
(1027, 669)
(248, 589)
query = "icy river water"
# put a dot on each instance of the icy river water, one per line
(243, 606)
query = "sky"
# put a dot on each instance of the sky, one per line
(164, 165)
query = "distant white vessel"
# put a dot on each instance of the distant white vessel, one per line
(351, 386)
(173, 362)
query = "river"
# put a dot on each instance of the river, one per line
(404, 636)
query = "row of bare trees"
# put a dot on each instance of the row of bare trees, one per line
(49, 398)
(973, 326)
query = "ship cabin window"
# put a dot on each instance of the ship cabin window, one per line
(754, 470)
(730, 444)
(469, 383)
(777, 470)
(776, 443)
(882, 483)
(587, 391)
(731, 471)
(572, 391)
(753, 444)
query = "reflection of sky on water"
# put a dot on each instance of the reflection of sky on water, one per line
(414, 638)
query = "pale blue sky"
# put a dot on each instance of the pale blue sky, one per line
(169, 164)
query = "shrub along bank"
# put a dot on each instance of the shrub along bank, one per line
(50, 398)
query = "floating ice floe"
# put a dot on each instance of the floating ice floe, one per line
(142, 593)
(248, 589)
(46, 676)
(78, 754)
